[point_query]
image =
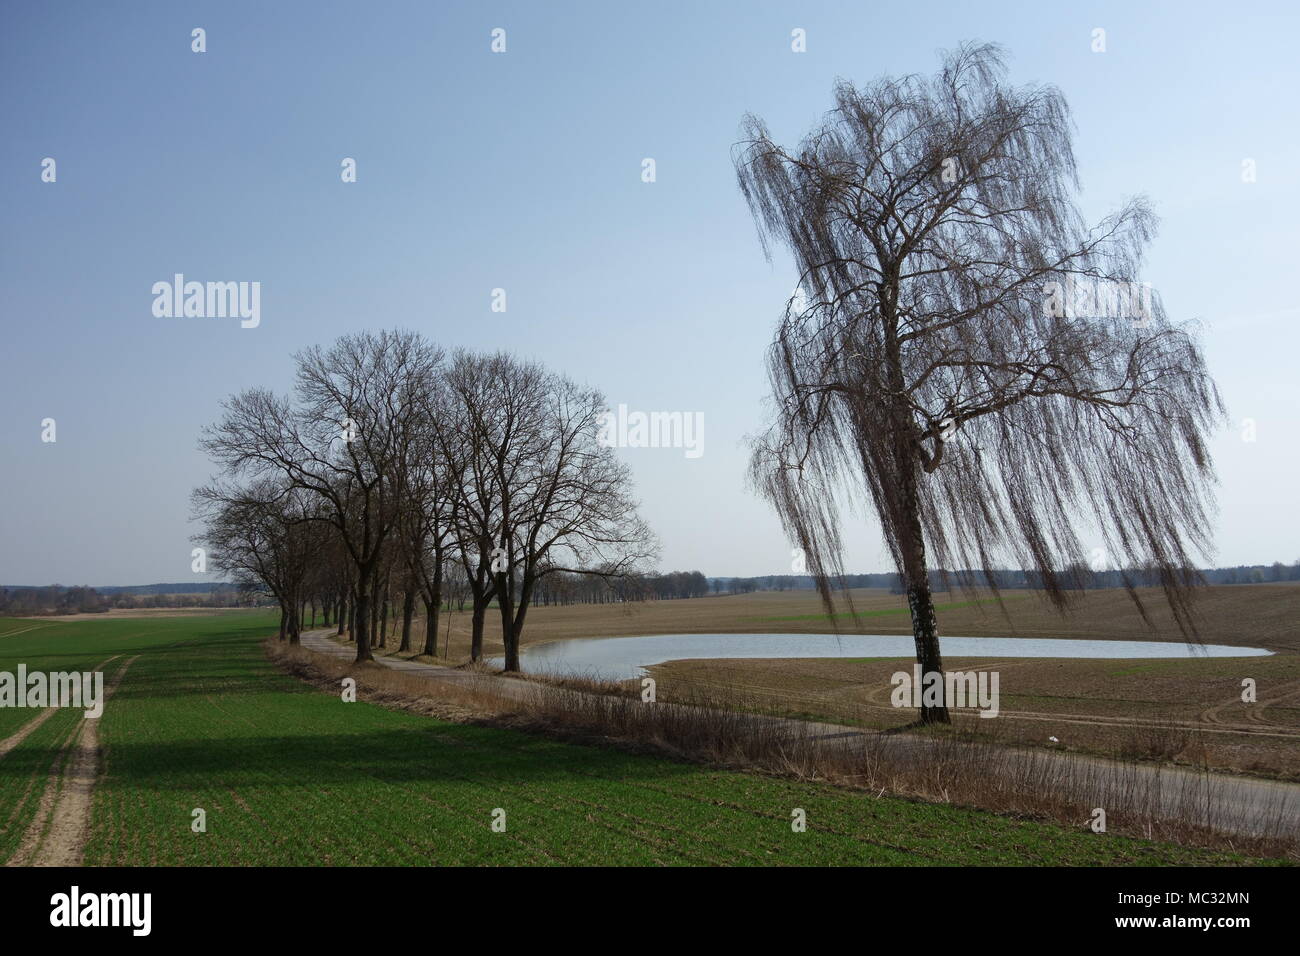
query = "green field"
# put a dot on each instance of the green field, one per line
(290, 775)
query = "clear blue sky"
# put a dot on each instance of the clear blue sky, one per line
(522, 171)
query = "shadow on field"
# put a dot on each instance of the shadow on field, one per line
(432, 753)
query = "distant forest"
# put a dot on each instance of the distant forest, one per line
(21, 601)
(1077, 578)
(563, 588)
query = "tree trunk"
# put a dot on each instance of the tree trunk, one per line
(906, 510)
(476, 634)
(916, 580)
(430, 629)
(284, 621)
(925, 631)
(363, 613)
(372, 635)
(512, 614)
(361, 621)
(408, 612)
(505, 601)
(432, 605)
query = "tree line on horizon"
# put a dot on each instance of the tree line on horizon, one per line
(563, 589)
(1078, 579)
(20, 601)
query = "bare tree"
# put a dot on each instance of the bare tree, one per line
(926, 357)
(475, 512)
(347, 438)
(455, 587)
(265, 531)
(537, 493)
(566, 501)
(429, 532)
(337, 571)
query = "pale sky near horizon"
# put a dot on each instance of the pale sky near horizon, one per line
(522, 171)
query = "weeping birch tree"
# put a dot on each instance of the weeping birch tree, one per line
(967, 355)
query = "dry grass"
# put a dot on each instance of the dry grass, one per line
(1164, 741)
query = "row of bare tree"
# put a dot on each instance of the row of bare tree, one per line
(393, 469)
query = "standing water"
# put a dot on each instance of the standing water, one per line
(623, 658)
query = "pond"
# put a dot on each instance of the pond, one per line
(621, 658)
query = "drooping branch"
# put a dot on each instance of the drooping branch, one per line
(932, 221)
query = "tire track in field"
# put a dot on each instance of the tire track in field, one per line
(1255, 712)
(24, 630)
(57, 834)
(22, 733)
(16, 738)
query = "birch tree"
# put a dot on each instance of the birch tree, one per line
(966, 355)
